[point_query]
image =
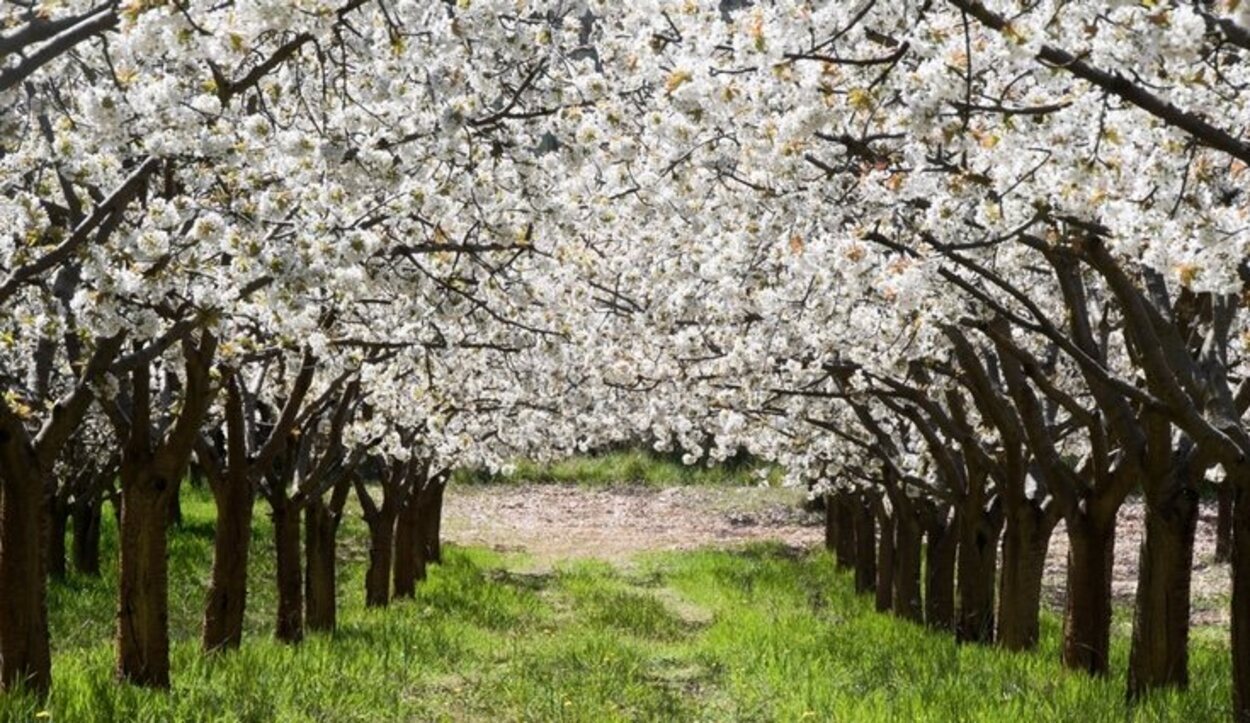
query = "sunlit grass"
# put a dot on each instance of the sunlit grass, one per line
(756, 634)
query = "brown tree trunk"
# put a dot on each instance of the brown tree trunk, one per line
(1159, 655)
(433, 524)
(1224, 522)
(1087, 615)
(885, 563)
(979, 534)
(831, 522)
(86, 550)
(381, 545)
(143, 602)
(1026, 538)
(175, 504)
(227, 590)
(907, 552)
(1240, 607)
(939, 579)
(865, 546)
(25, 657)
(409, 545)
(320, 584)
(58, 522)
(286, 524)
(844, 545)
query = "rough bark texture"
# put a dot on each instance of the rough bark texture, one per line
(907, 553)
(1224, 523)
(977, 565)
(1241, 601)
(939, 577)
(432, 514)
(143, 608)
(381, 545)
(1087, 615)
(1025, 539)
(885, 562)
(86, 549)
(227, 590)
(286, 529)
(409, 559)
(865, 547)
(1159, 655)
(320, 582)
(831, 523)
(58, 523)
(25, 657)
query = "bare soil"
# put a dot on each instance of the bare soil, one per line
(550, 523)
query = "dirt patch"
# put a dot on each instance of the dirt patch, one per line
(554, 522)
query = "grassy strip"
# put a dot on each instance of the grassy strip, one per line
(757, 634)
(638, 466)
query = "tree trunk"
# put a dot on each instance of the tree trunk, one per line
(25, 658)
(1224, 522)
(865, 546)
(1087, 616)
(86, 549)
(381, 544)
(58, 521)
(1160, 650)
(227, 590)
(885, 563)
(433, 524)
(844, 509)
(320, 584)
(409, 545)
(831, 522)
(907, 545)
(939, 582)
(1026, 538)
(143, 602)
(979, 535)
(1240, 607)
(175, 504)
(290, 621)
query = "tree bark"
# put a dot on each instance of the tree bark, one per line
(25, 657)
(410, 545)
(227, 590)
(907, 552)
(1159, 656)
(1224, 522)
(58, 522)
(381, 545)
(831, 523)
(286, 529)
(939, 583)
(1240, 607)
(86, 549)
(1026, 538)
(175, 504)
(433, 523)
(1087, 615)
(844, 509)
(143, 607)
(865, 546)
(979, 534)
(885, 562)
(320, 527)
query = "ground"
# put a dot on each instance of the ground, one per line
(559, 603)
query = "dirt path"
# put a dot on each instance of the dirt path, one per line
(555, 522)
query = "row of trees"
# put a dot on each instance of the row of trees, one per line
(976, 268)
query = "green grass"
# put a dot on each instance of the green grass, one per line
(632, 466)
(753, 635)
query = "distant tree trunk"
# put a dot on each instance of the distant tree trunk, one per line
(58, 522)
(865, 546)
(1224, 522)
(86, 551)
(1159, 655)
(320, 527)
(227, 591)
(286, 536)
(831, 523)
(1087, 616)
(979, 533)
(175, 503)
(381, 545)
(1026, 538)
(25, 656)
(410, 544)
(844, 508)
(885, 561)
(433, 523)
(908, 537)
(143, 608)
(940, 550)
